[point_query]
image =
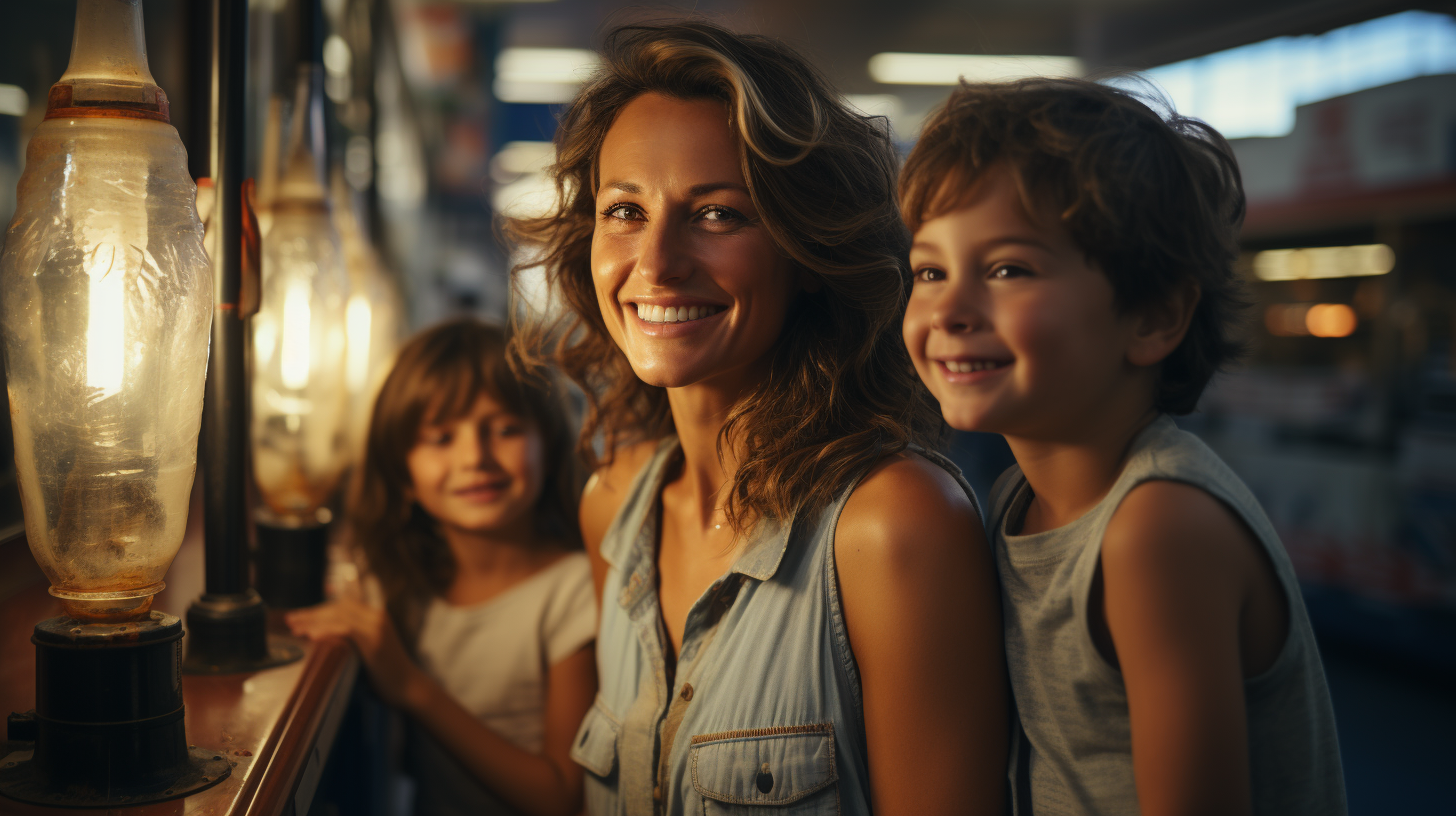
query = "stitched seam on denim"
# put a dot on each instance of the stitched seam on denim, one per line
(823, 729)
(772, 731)
(844, 650)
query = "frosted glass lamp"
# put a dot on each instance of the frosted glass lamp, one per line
(106, 306)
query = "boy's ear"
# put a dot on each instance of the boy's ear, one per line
(1162, 325)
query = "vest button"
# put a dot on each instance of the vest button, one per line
(765, 780)
(687, 692)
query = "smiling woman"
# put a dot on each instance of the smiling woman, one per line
(798, 609)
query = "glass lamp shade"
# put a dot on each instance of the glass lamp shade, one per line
(300, 392)
(107, 302)
(373, 317)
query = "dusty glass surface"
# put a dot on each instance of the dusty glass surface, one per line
(300, 444)
(107, 300)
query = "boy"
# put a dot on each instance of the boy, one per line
(1073, 257)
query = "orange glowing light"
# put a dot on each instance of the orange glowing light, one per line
(1330, 320)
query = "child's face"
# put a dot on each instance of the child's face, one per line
(480, 473)
(1010, 325)
(691, 286)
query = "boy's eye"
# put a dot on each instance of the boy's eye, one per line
(1009, 271)
(929, 274)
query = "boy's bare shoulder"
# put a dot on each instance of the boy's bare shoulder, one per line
(907, 507)
(1173, 531)
(607, 489)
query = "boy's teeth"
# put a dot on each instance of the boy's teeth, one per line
(967, 366)
(675, 314)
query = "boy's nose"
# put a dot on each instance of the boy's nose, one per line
(955, 313)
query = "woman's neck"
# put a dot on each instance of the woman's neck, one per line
(1071, 474)
(698, 414)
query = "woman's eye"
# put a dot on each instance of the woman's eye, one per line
(435, 438)
(929, 274)
(623, 212)
(1002, 271)
(511, 429)
(720, 216)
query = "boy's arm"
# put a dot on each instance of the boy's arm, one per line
(923, 613)
(1178, 570)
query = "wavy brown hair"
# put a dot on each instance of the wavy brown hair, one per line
(840, 392)
(1155, 201)
(436, 378)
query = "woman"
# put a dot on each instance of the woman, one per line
(798, 607)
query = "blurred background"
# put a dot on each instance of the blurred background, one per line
(1342, 419)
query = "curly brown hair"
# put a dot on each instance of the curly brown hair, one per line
(841, 392)
(1156, 202)
(437, 377)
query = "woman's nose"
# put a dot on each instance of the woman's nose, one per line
(661, 258)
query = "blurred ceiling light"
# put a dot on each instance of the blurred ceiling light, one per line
(1324, 262)
(1253, 90)
(520, 158)
(886, 105)
(896, 68)
(14, 101)
(542, 75)
(530, 197)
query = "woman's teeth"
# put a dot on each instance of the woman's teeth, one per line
(674, 314)
(967, 366)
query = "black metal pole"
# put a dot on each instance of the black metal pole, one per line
(225, 436)
(228, 626)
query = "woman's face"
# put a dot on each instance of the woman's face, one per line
(691, 287)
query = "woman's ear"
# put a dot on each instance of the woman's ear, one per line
(1162, 325)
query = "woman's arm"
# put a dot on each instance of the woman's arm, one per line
(924, 616)
(549, 784)
(1178, 573)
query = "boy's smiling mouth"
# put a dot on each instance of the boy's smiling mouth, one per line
(964, 370)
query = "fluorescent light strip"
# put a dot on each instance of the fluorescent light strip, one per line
(897, 68)
(542, 75)
(1324, 262)
(14, 101)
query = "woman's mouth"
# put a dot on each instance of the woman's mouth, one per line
(674, 314)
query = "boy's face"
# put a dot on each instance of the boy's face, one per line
(1011, 326)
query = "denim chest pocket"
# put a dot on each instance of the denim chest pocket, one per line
(595, 745)
(784, 770)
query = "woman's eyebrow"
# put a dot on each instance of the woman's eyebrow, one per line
(625, 186)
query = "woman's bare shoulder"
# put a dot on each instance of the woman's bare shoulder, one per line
(607, 489)
(907, 501)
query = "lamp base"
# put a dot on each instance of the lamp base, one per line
(108, 727)
(229, 636)
(291, 565)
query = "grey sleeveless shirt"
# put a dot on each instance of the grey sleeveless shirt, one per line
(1072, 703)
(764, 714)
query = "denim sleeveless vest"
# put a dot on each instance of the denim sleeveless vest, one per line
(764, 715)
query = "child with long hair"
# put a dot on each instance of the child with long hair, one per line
(465, 511)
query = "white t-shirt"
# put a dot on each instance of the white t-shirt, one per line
(493, 658)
